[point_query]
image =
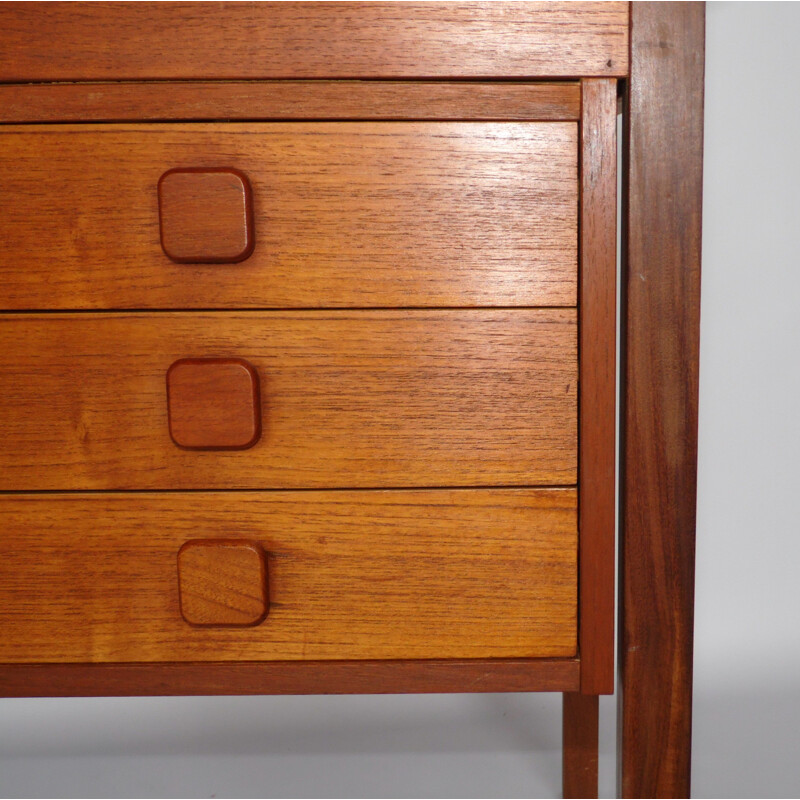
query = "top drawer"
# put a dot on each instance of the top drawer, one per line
(341, 214)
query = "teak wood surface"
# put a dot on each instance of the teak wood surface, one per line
(493, 51)
(349, 399)
(291, 677)
(362, 575)
(230, 41)
(345, 215)
(661, 331)
(213, 403)
(300, 100)
(598, 389)
(580, 744)
(205, 215)
(223, 582)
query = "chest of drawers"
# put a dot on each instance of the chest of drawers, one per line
(307, 352)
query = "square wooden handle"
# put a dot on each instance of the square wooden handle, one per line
(213, 404)
(206, 215)
(223, 583)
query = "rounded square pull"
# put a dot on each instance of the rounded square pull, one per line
(223, 582)
(206, 215)
(213, 404)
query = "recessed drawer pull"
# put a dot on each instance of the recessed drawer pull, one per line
(223, 582)
(206, 215)
(213, 404)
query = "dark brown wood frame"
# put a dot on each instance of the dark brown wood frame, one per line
(662, 196)
(662, 190)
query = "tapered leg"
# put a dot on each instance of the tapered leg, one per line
(580, 725)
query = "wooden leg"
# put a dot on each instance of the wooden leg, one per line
(661, 333)
(580, 744)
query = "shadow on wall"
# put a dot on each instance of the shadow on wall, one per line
(281, 726)
(352, 746)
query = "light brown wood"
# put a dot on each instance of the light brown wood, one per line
(205, 215)
(360, 575)
(274, 100)
(345, 215)
(598, 383)
(290, 677)
(140, 41)
(213, 404)
(223, 582)
(349, 399)
(580, 744)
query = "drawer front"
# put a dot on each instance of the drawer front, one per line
(351, 575)
(337, 215)
(337, 399)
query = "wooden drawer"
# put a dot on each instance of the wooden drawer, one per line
(351, 575)
(339, 214)
(346, 399)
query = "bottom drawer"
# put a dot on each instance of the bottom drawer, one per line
(348, 575)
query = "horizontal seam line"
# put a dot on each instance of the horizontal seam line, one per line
(482, 487)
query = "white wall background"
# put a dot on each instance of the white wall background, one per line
(747, 671)
(747, 639)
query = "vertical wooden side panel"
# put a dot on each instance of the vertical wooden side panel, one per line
(664, 149)
(598, 258)
(580, 744)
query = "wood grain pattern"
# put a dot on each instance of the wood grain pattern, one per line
(598, 392)
(349, 399)
(580, 744)
(664, 147)
(290, 677)
(355, 575)
(274, 100)
(213, 404)
(345, 215)
(162, 41)
(223, 582)
(205, 215)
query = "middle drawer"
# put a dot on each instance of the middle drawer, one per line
(345, 399)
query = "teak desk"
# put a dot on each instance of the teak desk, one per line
(307, 355)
